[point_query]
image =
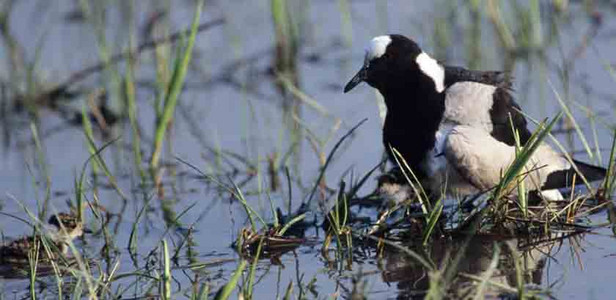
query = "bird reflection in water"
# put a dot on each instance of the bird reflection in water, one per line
(468, 262)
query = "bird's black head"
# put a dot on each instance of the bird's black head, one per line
(393, 61)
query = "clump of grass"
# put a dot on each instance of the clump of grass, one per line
(337, 226)
(270, 238)
(520, 163)
(431, 213)
(496, 210)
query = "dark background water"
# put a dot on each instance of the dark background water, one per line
(569, 54)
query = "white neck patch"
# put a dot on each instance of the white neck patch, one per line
(377, 47)
(432, 69)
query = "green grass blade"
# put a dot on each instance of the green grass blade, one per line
(175, 87)
(569, 115)
(132, 239)
(96, 157)
(166, 280)
(329, 159)
(43, 165)
(129, 91)
(253, 270)
(87, 130)
(226, 291)
(413, 181)
(608, 183)
(250, 212)
(523, 157)
(433, 218)
(522, 198)
(289, 292)
(291, 223)
(203, 291)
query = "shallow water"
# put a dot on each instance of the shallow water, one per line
(244, 116)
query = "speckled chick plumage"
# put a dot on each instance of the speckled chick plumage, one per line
(18, 251)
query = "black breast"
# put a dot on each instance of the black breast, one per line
(411, 125)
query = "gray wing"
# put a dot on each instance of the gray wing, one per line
(488, 106)
(481, 159)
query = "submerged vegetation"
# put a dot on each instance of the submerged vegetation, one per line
(207, 160)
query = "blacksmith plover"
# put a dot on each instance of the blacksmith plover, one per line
(453, 125)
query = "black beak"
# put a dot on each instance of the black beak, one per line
(357, 79)
(88, 231)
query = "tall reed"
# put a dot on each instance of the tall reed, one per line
(175, 87)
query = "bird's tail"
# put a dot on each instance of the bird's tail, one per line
(590, 172)
(564, 178)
